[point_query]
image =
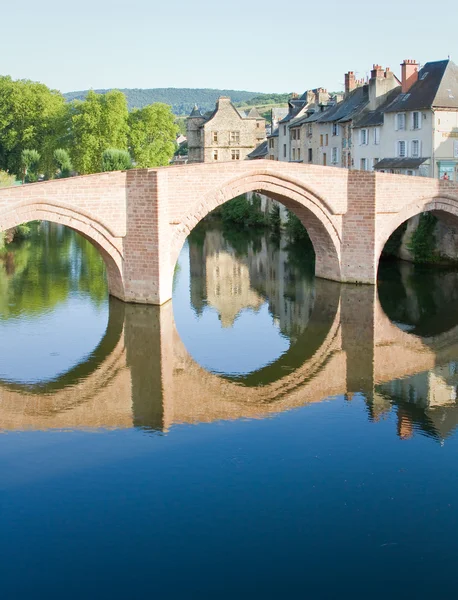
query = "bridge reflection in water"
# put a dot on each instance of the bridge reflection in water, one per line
(141, 374)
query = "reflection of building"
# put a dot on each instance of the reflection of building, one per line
(231, 281)
(227, 280)
(427, 401)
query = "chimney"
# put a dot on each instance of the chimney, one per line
(350, 83)
(377, 71)
(409, 74)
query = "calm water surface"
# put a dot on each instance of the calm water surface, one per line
(266, 435)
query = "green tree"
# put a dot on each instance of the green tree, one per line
(116, 160)
(152, 135)
(30, 160)
(97, 123)
(62, 162)
(31, 117)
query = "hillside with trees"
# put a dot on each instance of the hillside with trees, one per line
(182, 100)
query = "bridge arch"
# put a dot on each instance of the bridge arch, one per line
(439, 204)
(84, 223)
(312, 209)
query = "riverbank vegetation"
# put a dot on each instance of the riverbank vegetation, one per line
(37, 126)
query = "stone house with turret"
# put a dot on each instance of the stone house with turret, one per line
(225, 134)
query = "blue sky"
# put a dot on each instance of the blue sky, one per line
(266, 46)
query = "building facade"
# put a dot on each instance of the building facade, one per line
(225, 134)
(406, 126)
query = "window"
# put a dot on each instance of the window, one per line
(415, 148)
(321, 139)
(327, 140)
(363, 137)
(272, 157)
(298, 154)
(293, 134)
(215, 136)
(401, 121)
(235, 154)
(364, 164)
(215, 154)
(257, 124)
(298, 134)
(310, 154)
(416, 120)
(309, 130)
(294, 153)
(335, 129)
(271, 142)
(409, 172)
(234, 137)
(284, 150)
(334, 156)
(377, 135)
(284, 129)
(374, 162)
(401, 149)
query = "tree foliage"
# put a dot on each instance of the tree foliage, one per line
(31, 117)
(116, 160)
(152, 134)
(30, 161)
(241, 211)
(97, 123)
(62, 162)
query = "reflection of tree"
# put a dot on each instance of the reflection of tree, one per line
(41, 272)
(424, 300)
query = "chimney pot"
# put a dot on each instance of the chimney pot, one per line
(409, 74)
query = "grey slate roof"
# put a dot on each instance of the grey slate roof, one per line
(279, 112)
(254, 114)
(436, 87)
(375, 117)
(350, 107)
(400, 163)
(259, 152)
(341, 112)
(274, 133)
(295, 106)
(196, 112)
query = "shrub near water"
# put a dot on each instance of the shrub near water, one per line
(422, 243)
(241, 211)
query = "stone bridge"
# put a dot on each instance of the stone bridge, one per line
(141, 374)
(140, 219)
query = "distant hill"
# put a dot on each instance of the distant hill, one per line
(182, 100)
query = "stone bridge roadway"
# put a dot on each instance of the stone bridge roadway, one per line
(139, 219)
(141, 374)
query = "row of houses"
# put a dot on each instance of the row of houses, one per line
(406, 125)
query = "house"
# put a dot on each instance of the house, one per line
(415, 131)
(297, 107)
(225, 134)
(421, 125)
(327, 134)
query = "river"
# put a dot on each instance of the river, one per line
(264, 435)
